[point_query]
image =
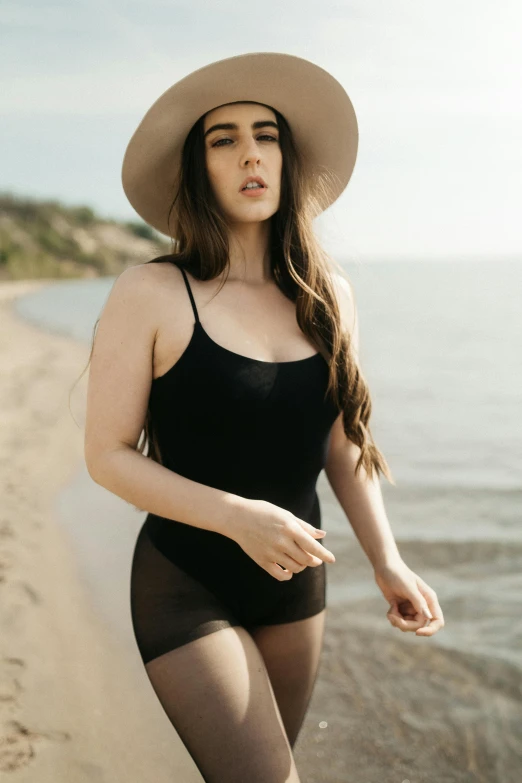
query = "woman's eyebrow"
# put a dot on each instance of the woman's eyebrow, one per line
(234, 126)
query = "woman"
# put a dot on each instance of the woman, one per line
(236, 357)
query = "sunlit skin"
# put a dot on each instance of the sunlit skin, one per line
(231, 156)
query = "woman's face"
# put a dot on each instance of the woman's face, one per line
(238, 151)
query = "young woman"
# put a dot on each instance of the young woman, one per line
(236, 357)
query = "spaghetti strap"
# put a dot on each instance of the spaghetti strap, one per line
(195, 309)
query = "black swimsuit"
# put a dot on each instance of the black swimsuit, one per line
(254, 428)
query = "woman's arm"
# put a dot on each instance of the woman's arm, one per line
(119, 384)
(413, 604)
(361, 500)
(360, 497)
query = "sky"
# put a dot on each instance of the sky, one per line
(436, 88)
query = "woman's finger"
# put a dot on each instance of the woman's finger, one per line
(404, 623)
(288, 563)
(301, 555)
(313, 546)
(431, 627)
(433, 603)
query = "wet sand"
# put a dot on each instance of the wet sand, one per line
(75, 702)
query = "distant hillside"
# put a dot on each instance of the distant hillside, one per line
(49, 239)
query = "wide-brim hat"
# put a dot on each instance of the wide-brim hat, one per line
(316, 106)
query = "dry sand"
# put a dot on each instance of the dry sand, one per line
(75, 706)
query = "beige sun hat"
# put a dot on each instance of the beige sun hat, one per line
(316, 106)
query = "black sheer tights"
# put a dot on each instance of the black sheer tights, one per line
(236, 724)
(236, 698)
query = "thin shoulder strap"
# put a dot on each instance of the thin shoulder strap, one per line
(195, 309)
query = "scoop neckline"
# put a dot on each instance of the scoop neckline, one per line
(198, 326)
(250, 358)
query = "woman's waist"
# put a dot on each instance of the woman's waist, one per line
(176, 531)
(266, 478)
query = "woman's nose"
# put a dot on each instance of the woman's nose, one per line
(251, 152)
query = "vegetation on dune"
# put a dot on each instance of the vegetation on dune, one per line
(49, 239)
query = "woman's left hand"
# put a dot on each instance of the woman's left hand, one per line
(413, 604)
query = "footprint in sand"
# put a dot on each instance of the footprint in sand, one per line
(30, 591)
(17, 744)
(18, 596)
(6, 562)
(6, 529)
(10, 687)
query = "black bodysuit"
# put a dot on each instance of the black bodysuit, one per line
(254, 428)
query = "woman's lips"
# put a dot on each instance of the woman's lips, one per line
(253, 191)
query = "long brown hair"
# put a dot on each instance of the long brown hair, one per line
(300, 267)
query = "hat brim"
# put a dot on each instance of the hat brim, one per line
(318, 110)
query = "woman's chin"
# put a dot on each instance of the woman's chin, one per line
(252, 213)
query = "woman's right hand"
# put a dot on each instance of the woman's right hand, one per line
(274, 537)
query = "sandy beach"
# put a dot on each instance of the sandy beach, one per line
(42, 697)
(388, 707)
(69, 700)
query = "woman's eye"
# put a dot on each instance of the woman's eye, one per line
(263, 136)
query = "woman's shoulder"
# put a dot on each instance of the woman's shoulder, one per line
(145, 296)
(149, 280)
(149, 272)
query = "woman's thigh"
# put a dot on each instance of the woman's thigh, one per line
(217, 693)
(207, 673)
(291, 653)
